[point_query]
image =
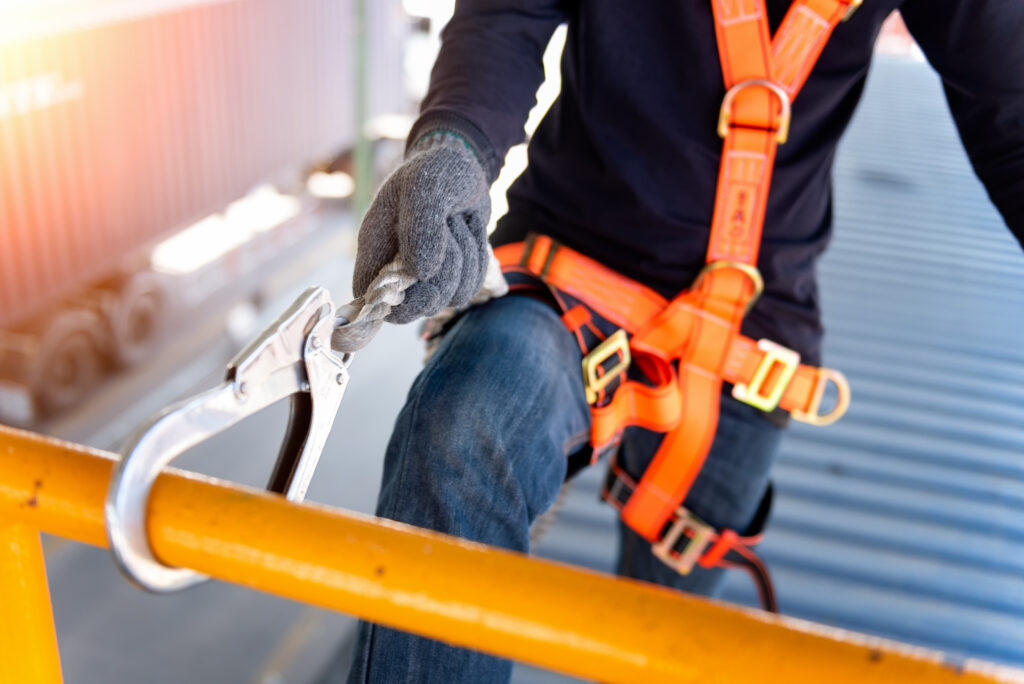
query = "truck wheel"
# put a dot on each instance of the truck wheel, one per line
(137, 317)
(69, 363)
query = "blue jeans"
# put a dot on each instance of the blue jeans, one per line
(479, 451)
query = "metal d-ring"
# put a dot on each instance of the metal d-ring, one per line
(752, 273)
(291, 358)
(725, 113)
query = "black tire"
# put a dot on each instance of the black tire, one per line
(69, 363)
(136, 320)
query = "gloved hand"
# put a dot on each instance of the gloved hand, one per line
(433, 213)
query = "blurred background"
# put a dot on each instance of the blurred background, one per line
(174, 172)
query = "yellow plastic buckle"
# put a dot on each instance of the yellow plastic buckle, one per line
(700, 536)
(812, 415)
(593, 382)
(725, 114)
(753, 393)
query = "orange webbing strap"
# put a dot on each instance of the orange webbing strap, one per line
(801, 38)
(679, 458)
(624, 302)
(752, 117)
(702, 351)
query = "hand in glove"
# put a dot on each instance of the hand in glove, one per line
(433, 213)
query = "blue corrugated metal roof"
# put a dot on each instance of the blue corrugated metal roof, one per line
(903, 519)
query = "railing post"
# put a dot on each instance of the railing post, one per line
(28, 639)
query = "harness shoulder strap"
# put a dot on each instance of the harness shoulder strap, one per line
(761, 77)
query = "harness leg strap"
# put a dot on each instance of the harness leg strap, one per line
(679, 459)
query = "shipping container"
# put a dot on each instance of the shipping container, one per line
(124, 121)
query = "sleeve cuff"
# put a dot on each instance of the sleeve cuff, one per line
(434, 120)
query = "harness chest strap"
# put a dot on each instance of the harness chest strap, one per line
(762, 77)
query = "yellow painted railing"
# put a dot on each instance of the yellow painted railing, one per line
(583, 623)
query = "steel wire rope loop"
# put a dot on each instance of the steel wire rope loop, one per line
(291, 358)
(358, 322)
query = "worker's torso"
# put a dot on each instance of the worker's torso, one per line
(624, 166)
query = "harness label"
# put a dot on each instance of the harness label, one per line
(732, 11)
(741, 191)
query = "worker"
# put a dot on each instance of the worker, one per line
(627, 206)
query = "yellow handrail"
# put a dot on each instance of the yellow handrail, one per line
(567, 619)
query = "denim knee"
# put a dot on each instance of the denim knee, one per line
(486, 425)
(478, 451)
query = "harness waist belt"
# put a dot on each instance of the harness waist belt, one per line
(760, 369)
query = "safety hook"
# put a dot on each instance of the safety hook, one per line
(291, 358)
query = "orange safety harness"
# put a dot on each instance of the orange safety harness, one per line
(686, 347)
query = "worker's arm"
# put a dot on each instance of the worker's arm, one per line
(432, 212)
(977, 46)
(486, 77)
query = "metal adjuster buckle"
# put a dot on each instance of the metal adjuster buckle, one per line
(701, 535)
(753, 392)
(529, 244)
(593, 383)
(851, 7)
(812, 416)
(725, 114)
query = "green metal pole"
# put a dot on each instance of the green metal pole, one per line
(362, 161)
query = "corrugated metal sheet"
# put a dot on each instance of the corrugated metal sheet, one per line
(905, 518)
(117, 134)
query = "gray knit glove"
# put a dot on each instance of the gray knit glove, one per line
(433, 213)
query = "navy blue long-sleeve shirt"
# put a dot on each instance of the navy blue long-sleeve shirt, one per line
(623, 168)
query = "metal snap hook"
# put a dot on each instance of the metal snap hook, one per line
(289, 359)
